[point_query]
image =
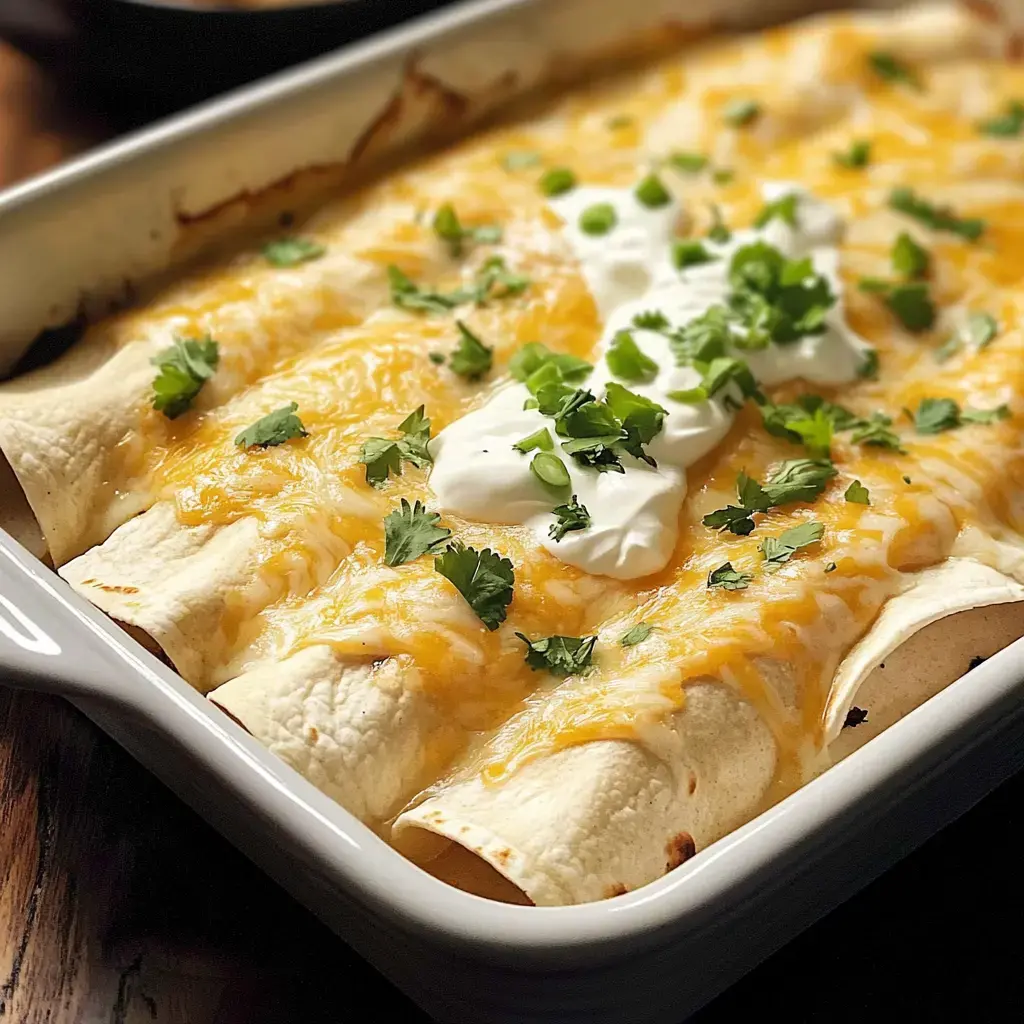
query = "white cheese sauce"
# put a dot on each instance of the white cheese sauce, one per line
(634, 515)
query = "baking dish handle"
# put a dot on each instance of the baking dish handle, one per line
(48, 641)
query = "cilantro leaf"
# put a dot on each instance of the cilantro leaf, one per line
(1000, 412)
(979, 330)
(719, 232)
(888, 67)
(472, 359)
(868, 369)
(809, 421)
(483, 578)
(560, 655)
(408, 295)
(909, 258)
(557, 181)
(450, 229)
(857, 494)
(273, 429)
(783, 208)
(777, 550)
(411, 531)
(184, 368)
(636, 635)
(626, 360)
(935, 415)
(494, 279)
(938, 218)
(690, 252)
(725, 577)
(290, 252)
(652, 193)
(383, 457)
(533, 356)
(798, 480)
(877, 433)
(910, 302)
(1007, 125)
(572, 516)
(856, 157)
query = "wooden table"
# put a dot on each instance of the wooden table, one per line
(119, 906)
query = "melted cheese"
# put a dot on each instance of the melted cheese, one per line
(356, 367)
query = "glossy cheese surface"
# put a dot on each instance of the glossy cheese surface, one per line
(356, 366)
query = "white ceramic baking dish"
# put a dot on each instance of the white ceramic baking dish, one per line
(74, 238)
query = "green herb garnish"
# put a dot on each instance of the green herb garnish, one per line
(636, 635)
(520, 159)
(527, 360)
(909, 258)
(719, 232)
(689, 252)
(550, 470)
(273, 429)
(688, 163)
(539, 439)
(383, 457)
(450, 229)
(571, 517)
(856, 157)
(877, 433)
(868, 369)
(483, 578)
(978, 330)
(857, 494)
(411, 531)
(557, 181)
(777, 550)
(938, 218)
(184, 368)
(725, 577)
(290, 252)
(560, 655)
(652, 193)
(783, 208)
(626, 360)
(1006, 125)
(888, 67)
(472, 359)
(910, 302)
(598, 219)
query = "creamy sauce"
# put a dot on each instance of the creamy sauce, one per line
(634, 515)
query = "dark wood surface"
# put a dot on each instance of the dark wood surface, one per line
(119, 906)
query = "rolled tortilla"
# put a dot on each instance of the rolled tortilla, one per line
(630, 813)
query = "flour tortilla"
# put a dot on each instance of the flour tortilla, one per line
(605, 817)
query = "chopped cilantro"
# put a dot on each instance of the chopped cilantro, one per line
(411, 531)
(437, 358)
(449, 229)
(626, 360)
(689, 252)
(783, 208)
(560, 655)
(184, 368)
(719, 232)
(652, 193)
(910, 302)
(290, 252)
(571, 517)
(888, 67)
(877, 433)
(856, 157)
(740, 112)
(1007, 125)
(651, 320)
(1000, 412)
(793, 480)
(868, 369)
(383, 457)
(722, 175)
(533, 356)
(909, 258)
(483, 578)
(472, 358)
(725, 577)
(857, 494)
(273, 429)
(636, 635)
(550, 470)
(557, 181)
(934, 415)
(598, 219)
(938, 218)
(408, 295)
(979, 330)
(777, 550)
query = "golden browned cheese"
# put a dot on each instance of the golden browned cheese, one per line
(321, 524)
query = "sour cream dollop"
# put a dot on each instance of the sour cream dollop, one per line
(634, 515)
